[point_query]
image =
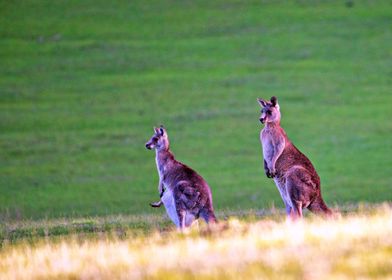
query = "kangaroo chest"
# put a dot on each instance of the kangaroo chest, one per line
(268, 148)
(165, 165)
(270, 140)
(162, 169)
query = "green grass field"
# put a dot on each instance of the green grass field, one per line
(83, 83)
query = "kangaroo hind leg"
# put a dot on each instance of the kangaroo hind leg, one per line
(185, 196)
(181, 218)
(296, 210)
(294, 203)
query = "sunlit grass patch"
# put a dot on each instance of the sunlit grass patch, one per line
(356, 245)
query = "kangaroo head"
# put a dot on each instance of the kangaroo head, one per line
(159, 139)
(270, 112)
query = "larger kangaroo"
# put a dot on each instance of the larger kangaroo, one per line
(184, 193)
(293, 173)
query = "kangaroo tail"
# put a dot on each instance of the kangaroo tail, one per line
(212, 218)
(209, 216)
(318, 206)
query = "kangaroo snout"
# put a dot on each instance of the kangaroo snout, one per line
(261, 120)
(148, 146)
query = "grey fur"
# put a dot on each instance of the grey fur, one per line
(191, 193)
(293, 173)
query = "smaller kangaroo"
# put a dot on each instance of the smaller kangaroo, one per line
(183, 192)
(293, 173)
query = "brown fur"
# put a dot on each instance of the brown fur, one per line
(293, 173)
(191, 193)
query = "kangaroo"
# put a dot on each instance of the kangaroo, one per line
(183, 192)
(293, 173)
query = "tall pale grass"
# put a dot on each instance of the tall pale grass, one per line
(354, 246)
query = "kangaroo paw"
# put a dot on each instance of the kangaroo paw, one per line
(270, 174)
(156, 204)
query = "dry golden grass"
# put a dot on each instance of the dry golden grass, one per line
(354, 246)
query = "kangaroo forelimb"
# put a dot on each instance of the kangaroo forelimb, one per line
(278, 151)
(267, 171)
(156, 204)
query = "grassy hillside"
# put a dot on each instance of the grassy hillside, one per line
(82, 84)
(358, 246)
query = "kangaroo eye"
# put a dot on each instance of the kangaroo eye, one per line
(269, 112)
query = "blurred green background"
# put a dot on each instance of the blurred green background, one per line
(82, 83)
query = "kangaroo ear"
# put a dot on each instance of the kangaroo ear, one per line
(156, 130)
(274, 100)
(161, 130)
(262, 102)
